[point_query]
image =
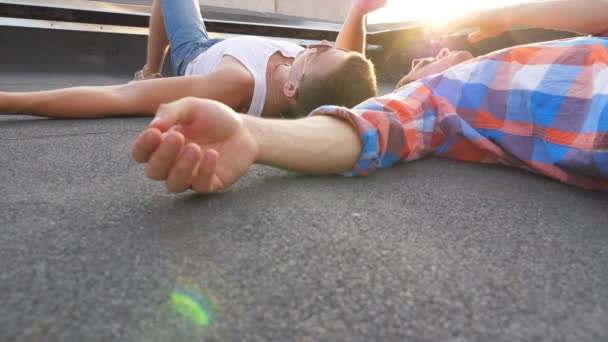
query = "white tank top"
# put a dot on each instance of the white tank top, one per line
(253, 53)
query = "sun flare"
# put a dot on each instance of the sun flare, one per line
(431, 11)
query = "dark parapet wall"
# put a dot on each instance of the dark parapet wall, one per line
(216, 19)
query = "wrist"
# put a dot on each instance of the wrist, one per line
(254, 128)
(270, 138)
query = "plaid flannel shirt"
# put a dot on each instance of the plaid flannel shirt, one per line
(541, 107)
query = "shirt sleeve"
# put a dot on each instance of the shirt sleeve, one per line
(392, 128)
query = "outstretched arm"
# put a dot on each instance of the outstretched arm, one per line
(352, 35)
(137, 98)
(206, 146)
(582, 16)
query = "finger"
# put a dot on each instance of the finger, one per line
(180, 176)
(205, 180)
(146, 144)
(162, 159)
(178, 112)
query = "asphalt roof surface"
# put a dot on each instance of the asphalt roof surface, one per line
(436, 250)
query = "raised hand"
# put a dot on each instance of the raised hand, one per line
(489, 23)
(366, 6)
(197, 144)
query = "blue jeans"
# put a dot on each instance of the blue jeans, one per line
(186, 32)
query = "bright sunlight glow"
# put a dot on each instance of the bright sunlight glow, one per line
(432, 11)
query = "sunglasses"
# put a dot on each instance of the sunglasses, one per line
(420, 62)
(318, 49)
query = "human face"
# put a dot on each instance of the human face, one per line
(318, 60)
(446, 59)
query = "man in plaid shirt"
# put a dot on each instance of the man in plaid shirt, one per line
(542, 107)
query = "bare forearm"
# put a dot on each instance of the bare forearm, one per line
(315, 145)
(79, 102)
(352, 35)
(583, 16)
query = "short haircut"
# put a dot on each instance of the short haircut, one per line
(350, 84)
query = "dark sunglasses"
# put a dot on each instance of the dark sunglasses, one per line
(420, 62)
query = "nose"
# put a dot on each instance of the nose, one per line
(443, 53)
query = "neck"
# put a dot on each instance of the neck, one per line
(279, 103)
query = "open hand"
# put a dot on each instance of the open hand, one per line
(197, 144)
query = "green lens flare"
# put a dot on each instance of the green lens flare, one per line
(191, 304)
(189, 308)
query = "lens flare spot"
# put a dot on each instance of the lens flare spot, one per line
(190, 303)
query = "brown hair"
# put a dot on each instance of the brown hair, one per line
(350, 84)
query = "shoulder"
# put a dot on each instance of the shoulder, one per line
(233, 72)
(232, 82)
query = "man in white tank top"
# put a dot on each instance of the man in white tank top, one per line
(257, 76)
(272, 83)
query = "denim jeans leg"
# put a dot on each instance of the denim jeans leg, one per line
(186, 32)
